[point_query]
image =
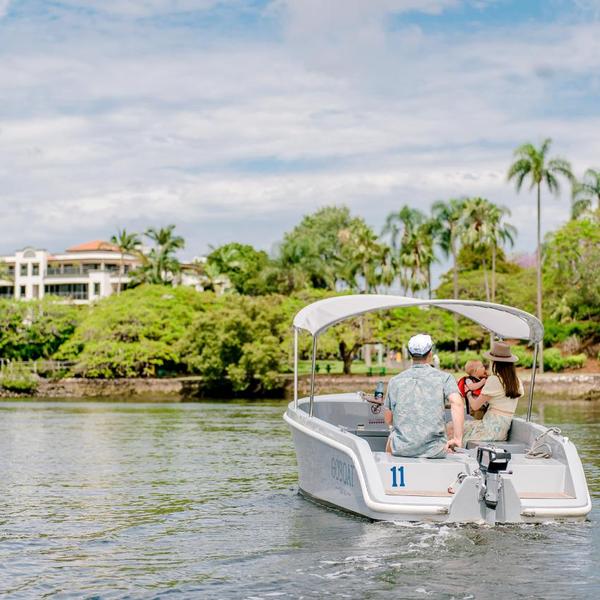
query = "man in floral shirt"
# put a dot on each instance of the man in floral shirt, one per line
(415, 406)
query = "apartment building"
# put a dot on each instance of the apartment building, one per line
(81, 274)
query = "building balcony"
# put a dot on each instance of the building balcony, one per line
(83, 271)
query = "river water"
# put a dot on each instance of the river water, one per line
(113, 500)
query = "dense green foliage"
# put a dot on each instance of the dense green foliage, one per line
(16, 378)
(134, 334)
(244, 267)
(35, 329)
(241, 340)
(515, 287)
(571, 269)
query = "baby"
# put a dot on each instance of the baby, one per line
(472, 384)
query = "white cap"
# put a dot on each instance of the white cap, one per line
(420, 344)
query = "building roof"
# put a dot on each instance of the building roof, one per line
(94, 246)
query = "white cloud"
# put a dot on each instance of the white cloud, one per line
(145, 8)
(163, 129)
(4, 5)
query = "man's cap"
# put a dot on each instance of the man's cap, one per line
(420, 344)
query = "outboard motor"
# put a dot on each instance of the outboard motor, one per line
(492, 462)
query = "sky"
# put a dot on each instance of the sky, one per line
(234, 118)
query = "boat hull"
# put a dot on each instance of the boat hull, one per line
(339, 469)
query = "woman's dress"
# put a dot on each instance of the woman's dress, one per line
(497, 420)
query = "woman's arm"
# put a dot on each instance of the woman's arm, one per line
(476, 386)
(476, 402)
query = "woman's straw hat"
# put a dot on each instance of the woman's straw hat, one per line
(500, 352)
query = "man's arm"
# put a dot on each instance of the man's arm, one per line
(458, 420)
(388, 417)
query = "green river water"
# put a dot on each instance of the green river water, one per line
(122, 500)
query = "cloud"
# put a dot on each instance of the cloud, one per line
(4, 6)
(136, 124)
(145, 8)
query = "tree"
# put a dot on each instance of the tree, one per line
(135, 333)
(500, 234)
(419, 253)
(314, 246)
(212, 280)
(243, 265)
(484, 231)
(476, 231)
(448, 216)
(160, 264)
(127, 244)
(533, 163)
(35, 329)
(242, 345)
(361, 257)
(401, 227)
(571, 268)
(585, 193)
(4, 272)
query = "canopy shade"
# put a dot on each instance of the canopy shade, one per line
(504, 321)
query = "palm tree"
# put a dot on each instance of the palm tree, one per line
(160, 263)
(210, 277)
(362, 257)
(127, 243)
(533, 163)
(501, 233)
(417, 256)
(429, 232)
(476, 232)
(401, 227)
(449, 216)
(585, 193)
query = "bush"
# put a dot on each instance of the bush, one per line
(242, 345)
(447, 358)
(17, 379)
(575, 361)
(556, 332)
(553, 360)
(134, 334)
(525, 357)
(35, 329)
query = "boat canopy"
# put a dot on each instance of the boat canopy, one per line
(505, 321)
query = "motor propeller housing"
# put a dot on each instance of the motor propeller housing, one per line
(492, 460)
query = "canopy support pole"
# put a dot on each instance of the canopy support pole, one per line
(312, 376)
(295, 367)
(532, 382)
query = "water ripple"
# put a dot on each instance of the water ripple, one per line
(199, 500)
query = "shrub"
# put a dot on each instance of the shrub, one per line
(553, 360)
(525, 357)
(575, 361)
(556, 332)
(447, 358)
(133, 334)
(17, 379)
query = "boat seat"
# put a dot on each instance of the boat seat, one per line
(512, 447)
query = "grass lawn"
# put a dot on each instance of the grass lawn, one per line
(335, 367)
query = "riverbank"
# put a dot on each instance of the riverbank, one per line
(572, 385)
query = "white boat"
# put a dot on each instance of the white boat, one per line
(535, 476)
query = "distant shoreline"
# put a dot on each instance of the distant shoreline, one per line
(566, 386)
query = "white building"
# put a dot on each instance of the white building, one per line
(82, 273)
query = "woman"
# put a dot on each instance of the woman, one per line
(501, 392)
